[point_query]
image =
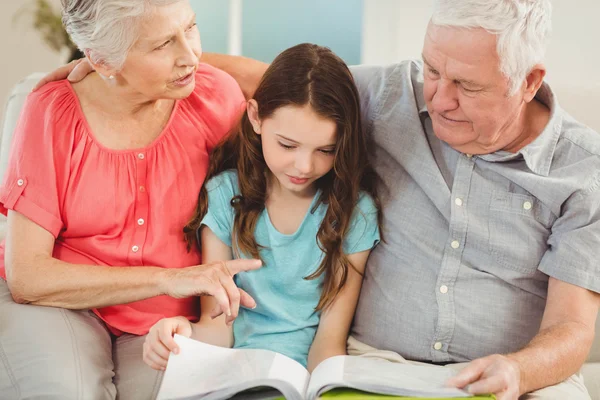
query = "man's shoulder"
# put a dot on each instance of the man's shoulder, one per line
(407, 70)
(576, 135)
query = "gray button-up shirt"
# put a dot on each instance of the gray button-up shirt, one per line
(471, 240)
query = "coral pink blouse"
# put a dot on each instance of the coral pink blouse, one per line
(118, 207)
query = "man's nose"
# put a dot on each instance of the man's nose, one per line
(445, 97)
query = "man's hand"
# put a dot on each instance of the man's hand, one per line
(495, 374)
(74, 71)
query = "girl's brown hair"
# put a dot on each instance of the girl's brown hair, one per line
(301, 75)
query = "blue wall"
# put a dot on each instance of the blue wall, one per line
(212, 17)
(271, 26)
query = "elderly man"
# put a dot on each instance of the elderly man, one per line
(493, 215)
(491, 208)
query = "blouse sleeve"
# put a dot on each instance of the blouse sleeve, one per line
(37, 169)
(227, 103)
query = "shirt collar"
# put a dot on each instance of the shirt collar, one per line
(538, 154)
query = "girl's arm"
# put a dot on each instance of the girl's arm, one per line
(334, 325)
(217, 331)
(214, 326)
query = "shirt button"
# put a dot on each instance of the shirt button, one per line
(141, 156)
(135, 249)
(469, 155)
(527, 205)
(458, 201)
(437, 346)
(443, 289)
(142, 188)
(455, 244)
(20, 182)
(141, 221)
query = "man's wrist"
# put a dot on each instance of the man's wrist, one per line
(518, 364)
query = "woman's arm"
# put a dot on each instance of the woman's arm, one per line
(216, 331)
(35, 277)
(214, 327)
(334, 325)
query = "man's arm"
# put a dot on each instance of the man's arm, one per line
(246, 71)
(555, 353)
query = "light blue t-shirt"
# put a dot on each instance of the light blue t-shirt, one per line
(285, 319)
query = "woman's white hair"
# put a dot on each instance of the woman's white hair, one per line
(106, 29)
(522, 28)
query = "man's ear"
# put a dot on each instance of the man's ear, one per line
(534, 81)
(102, 68)
(252, 110)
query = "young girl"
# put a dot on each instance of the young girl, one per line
(293, 187)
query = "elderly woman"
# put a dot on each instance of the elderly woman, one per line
(103, 175)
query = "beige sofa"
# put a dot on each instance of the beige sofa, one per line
(591, 370)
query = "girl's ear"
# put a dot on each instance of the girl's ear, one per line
(101, 68)
(252, 110)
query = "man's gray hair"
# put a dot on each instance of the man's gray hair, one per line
(106, 29)
(522, 28)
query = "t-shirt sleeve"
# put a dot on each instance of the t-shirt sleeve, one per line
(575, 239)
(38, 166)
(220, 214)
(363, 233)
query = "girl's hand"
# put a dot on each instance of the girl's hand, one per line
(159, 342)
(75, 71)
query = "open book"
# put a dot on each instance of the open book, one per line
(202, 371)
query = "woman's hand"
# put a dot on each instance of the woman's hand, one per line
(213, 279)
(159, 342)
(74, 71)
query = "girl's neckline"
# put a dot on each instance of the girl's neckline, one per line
(299, 229)
(91, 135)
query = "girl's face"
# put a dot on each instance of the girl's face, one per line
(298, 146)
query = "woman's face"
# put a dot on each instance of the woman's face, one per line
(162, 62)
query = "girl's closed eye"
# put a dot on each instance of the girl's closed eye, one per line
(328, 152)
(286, 146)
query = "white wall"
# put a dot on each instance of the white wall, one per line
(394, 31)
(23, 51)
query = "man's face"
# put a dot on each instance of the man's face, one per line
(466, 94)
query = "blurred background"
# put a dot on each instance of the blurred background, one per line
(360, 31)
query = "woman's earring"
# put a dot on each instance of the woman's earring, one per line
(111, 77)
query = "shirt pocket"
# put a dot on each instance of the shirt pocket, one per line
(519, 226)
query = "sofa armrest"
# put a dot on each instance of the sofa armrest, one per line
(14, 104)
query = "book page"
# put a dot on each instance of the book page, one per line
(384, 377)
(328, 371)
(286, 369)
(201, 370)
